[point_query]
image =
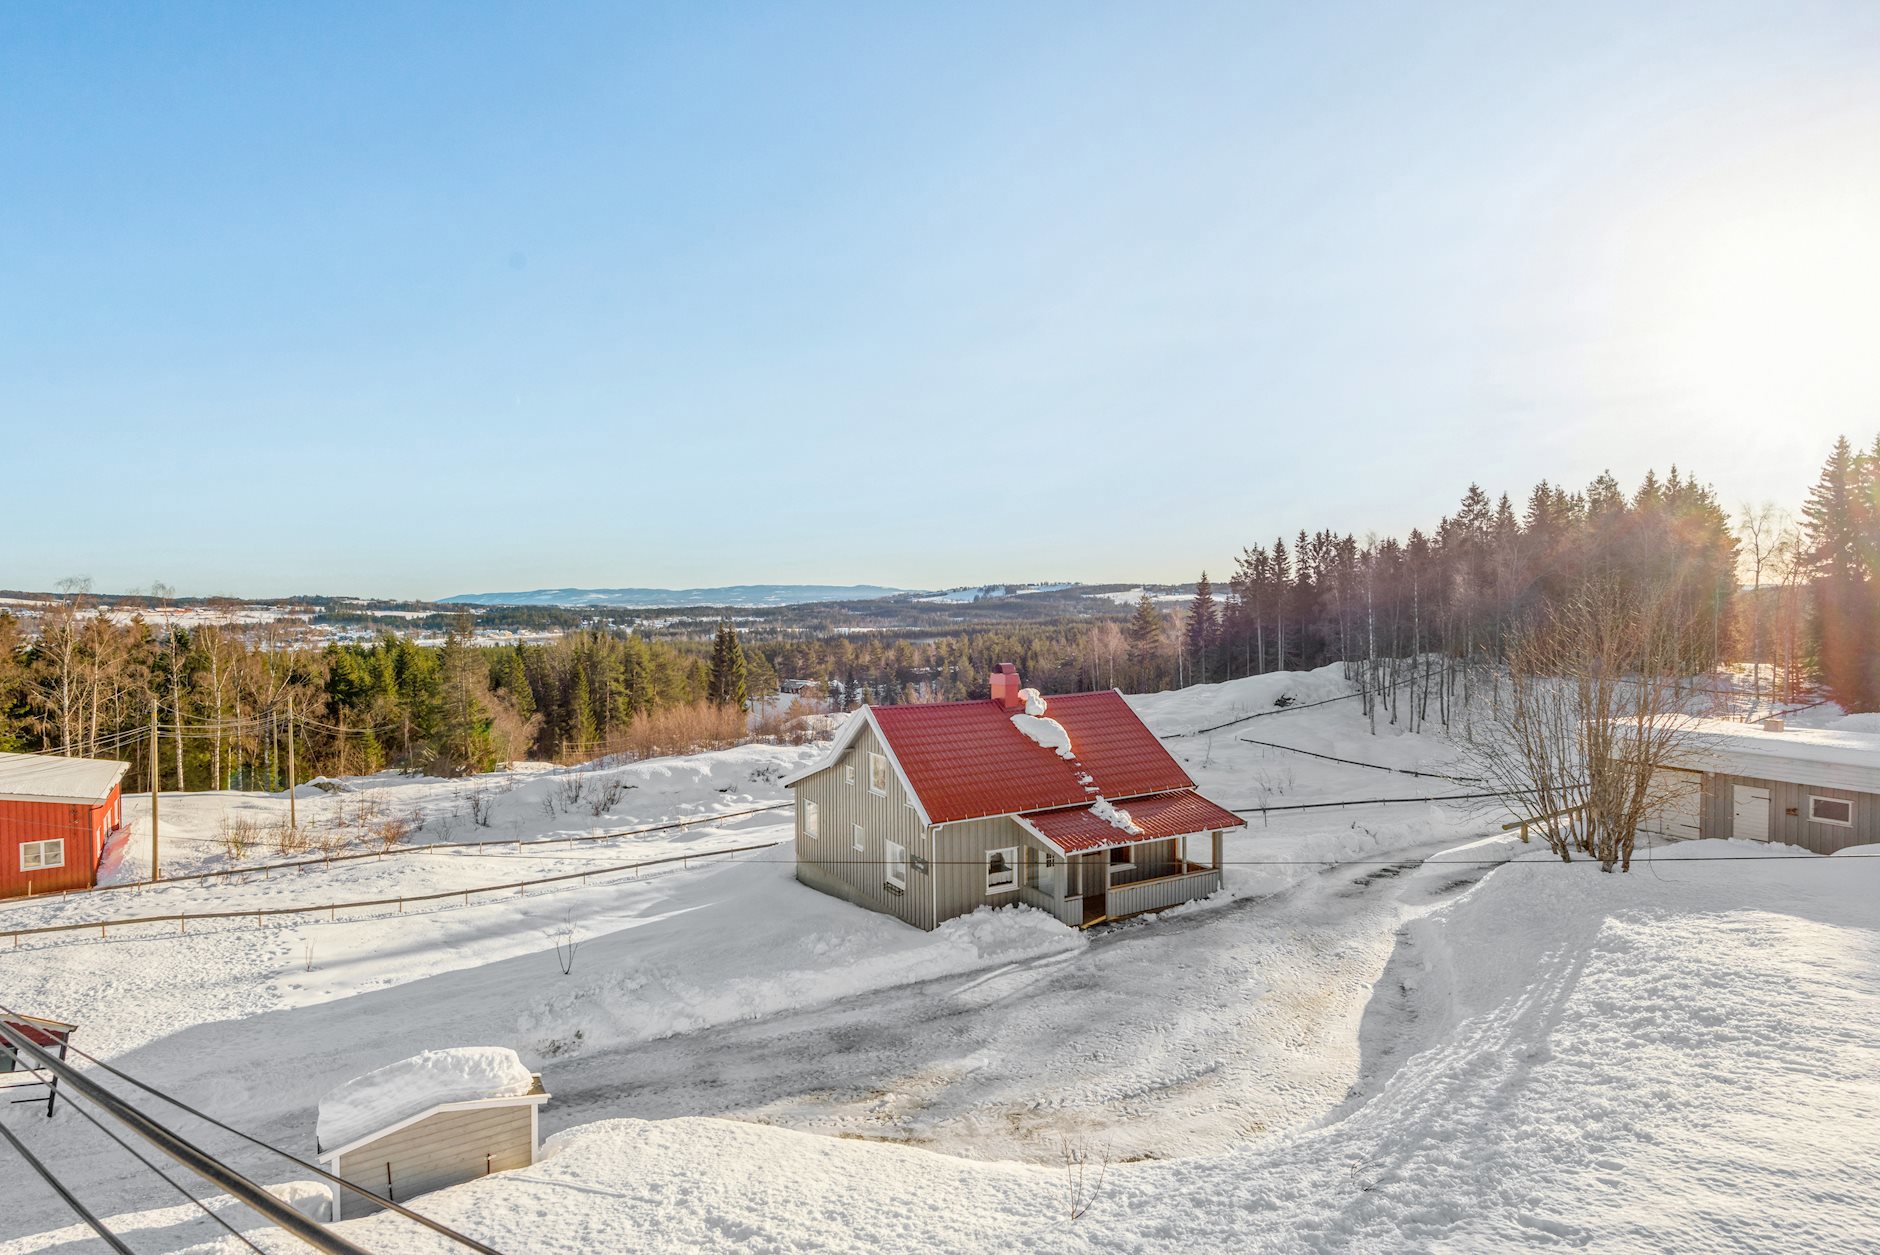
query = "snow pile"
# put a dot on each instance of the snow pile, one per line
(1034, 723)
(1858, 851)
(1115, 816)
(382, 1098)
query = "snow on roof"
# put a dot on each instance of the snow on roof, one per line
(970, 760)
(1085, 829)
(1831, 757)
(54, 778)
(1800, 754)
(380, 1099)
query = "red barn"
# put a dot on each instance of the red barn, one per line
(55, 816)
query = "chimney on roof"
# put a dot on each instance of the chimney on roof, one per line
(1774, 724)
(1005, 686)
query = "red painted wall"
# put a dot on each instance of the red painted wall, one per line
(83, 829)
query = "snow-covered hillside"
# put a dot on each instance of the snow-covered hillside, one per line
(1395, 1029)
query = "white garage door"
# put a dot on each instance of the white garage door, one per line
(1752, 813)
(1677, 805)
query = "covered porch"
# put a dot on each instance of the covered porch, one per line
(1121, 880)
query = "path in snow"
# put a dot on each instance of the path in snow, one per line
(1162, 1038)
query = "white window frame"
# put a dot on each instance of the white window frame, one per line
(1006, 881)
(1838, 801)
(40, 850)
(812, 819)
(893, 856)
(878, 769)
(848, 772)
(859, 836)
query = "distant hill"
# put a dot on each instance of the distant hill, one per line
(651, 598)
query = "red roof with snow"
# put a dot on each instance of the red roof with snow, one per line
(1077, 829)
(967, 760)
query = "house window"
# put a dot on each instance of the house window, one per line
(894, 865)
(39, 855)
(1838, 811)
(1002, 870)
(810, 819)
(878, 774)
(858, 836)
(848, 773)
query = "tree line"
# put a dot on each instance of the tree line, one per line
(226, 702)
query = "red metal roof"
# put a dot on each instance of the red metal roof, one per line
(966, 760)
(1115, 745)
(1076, 830)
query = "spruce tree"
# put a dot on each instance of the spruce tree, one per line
(1844, 611)
(727, 683)
(1204, 628)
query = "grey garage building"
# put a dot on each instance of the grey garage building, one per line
(1818, 788)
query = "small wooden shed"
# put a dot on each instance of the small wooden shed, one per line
(55, 815)
(435, 1120)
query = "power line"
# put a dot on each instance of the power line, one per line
(191, 1156)
(173, 1183)
(58, 1187)
(360, 1190)
(1352, 762)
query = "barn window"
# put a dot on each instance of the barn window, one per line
(1838, 811)
(810, 818)
(38, 855)
(878, 774)
(894, 865)
(1002, 870)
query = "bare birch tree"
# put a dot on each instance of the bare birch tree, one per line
(1591, 717)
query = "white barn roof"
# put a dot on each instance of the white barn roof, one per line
(1825, 757)
(53, 778)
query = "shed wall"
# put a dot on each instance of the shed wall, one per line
(83, 829)
(1792, 828)
(447, 1148)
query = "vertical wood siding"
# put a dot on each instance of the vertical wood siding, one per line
(1795, 829)
(83, 829)
(448, 1148)
(832, 864)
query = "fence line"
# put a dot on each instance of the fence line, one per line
(1352, 762)
(181, 918)
(429, 847)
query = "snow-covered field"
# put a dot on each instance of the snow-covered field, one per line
(1396, 1029)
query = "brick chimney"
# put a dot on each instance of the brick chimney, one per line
(1005, 686)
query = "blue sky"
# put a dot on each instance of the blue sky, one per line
(411, 300)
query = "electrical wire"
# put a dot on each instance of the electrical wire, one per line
(170, 1180)
(360, 1190)
(96, 1225)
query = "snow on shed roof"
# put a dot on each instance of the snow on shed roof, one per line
(1082, 829)
(1829, 757)
(968, 760)
(54, 778)
(373, 1103)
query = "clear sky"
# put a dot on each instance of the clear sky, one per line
(411, 300)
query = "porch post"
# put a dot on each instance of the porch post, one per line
(1216, 835)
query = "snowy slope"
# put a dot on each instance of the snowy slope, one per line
(1389, 1054)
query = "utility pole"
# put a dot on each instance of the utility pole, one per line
(292, 821)
(156, 787)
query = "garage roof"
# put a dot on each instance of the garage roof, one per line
(54, 778)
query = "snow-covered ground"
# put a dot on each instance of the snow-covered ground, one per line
(1383, 1035)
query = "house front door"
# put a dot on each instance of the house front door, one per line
(1751, 822)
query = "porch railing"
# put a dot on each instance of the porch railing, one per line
(1163, 891)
